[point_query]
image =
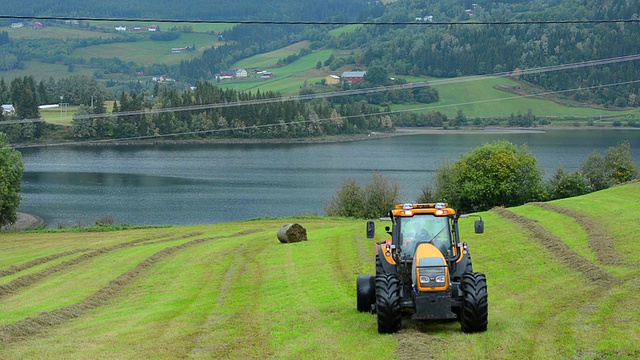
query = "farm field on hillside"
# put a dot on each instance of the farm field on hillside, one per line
(55, 32)
(270, 58)
(480, 98)
(150, 52)
(558, 275)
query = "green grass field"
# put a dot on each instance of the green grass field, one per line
(344, 29)
(271, 58)
(480, 98)
(562, 282)
(150, 52)
(287, 79)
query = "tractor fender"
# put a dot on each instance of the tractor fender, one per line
(384, 255)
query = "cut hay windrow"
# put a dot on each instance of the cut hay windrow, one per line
(32, 325)
(598, 238)
(564, 254)
(41, 260)
(31, 279)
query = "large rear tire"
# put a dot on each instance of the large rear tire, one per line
(475, 307)
(365, 292)
(388, 303)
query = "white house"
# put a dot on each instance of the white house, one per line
(241, 73)
(17, 25)
(121, 28)
(8, 109)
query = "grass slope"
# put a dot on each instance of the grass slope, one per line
(562, 284)
(480, 98)
(150, 52)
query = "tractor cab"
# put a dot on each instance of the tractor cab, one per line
(413, 227)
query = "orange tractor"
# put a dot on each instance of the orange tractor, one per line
(424, 269)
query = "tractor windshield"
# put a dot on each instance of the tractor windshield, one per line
(424, 228)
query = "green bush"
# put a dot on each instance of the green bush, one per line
(615, 167)
(495, 174)
(11, 168)
(373, 201)
(564, 184)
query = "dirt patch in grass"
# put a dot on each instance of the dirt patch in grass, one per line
(598, 238)
(563, 253)
(414, 341)
(33, 325)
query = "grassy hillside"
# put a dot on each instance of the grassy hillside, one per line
(481, 98)
(150, 52)
(562, 284)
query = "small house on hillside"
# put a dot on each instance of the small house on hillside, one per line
(353, 77)
(241, 73)
(153, 28)
(121, 28)
(228, 74)
(266, 75)
(8, 109)
(17, 25)
(37, 25)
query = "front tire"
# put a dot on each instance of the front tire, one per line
(388, 303)
(365, 292)
(475, 307)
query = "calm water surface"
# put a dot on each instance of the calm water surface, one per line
(197, 184)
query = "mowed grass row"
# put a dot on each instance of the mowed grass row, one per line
(248, 296)
(242, 297)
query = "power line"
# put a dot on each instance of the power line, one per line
(365, 91)
(255, 127)
(306, 22)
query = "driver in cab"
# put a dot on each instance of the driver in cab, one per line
(418, 230)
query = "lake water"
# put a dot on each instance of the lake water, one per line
(212, 183)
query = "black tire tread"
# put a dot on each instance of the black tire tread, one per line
(475, 306)
(388, 308)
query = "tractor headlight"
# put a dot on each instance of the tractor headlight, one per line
(431, 278)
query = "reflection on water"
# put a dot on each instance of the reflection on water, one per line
(193, 184)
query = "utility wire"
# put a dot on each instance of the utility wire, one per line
(365, 91)
(213, 131)
(305, 22)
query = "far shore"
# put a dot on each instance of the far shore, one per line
(400, 131)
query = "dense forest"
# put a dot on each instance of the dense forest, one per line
(227, 10)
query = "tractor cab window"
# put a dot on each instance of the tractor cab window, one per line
(424, 228)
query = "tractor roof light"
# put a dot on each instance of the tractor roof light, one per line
(407, 206)
(440, 205)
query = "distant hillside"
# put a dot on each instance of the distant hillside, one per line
(194, 9)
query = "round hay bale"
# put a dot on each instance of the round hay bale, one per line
(292, 233)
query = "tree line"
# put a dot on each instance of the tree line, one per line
(494, 174)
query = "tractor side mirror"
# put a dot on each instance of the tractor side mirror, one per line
(479, 226)
(371, 229)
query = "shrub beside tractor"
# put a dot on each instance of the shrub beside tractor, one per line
(424, 269)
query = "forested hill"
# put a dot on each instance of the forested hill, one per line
(199, 9)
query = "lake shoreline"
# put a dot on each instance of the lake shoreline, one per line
(400, 131)
(24, 221)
